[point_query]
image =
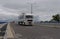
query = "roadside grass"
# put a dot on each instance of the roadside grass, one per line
(55, 27)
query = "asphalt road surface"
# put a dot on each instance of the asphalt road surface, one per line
(36, 32)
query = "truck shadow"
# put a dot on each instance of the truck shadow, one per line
(25, 25)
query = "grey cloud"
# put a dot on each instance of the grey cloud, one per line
(43, 8)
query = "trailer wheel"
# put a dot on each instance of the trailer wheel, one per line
(20, 23)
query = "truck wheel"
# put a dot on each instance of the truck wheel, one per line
(19, 23)
(24, 24)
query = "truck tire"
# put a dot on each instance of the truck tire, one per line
(24, 23)
(18, 23)
(21, 23)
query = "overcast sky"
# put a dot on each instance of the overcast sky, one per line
(44, 8)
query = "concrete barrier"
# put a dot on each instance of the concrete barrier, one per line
(2, 30)
(9, 34)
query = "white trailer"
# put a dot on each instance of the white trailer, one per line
(26, 19)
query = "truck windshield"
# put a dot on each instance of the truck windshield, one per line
(29, 16)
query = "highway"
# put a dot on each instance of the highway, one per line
(36, 32)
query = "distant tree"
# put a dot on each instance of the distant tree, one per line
(56, 17)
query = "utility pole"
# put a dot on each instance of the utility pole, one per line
(31, 9)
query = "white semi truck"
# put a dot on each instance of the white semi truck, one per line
(26, 19)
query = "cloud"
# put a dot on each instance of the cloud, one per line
(6, 15)
(44, 8)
